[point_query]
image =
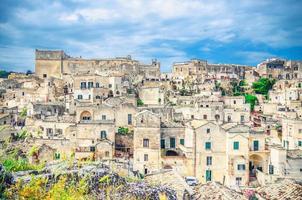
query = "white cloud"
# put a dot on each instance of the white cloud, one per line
(149, 28)
(254, 56)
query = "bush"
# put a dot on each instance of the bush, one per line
(23, 113)
(123, 131)
(20, 164)
(251, 99)
(263, 85)
(139, 102)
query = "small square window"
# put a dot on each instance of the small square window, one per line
(208, 145)
(236, 145)
(145, 157)
(182, 141)
(92, 149)
(241, 167)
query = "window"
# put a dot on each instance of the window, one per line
(300, 143)
(256, 145)
(23, 93)
(236, 145)
(172, 142)
(90, 85)
(103, 117)
(103, 134)
(146, 143)
(97, 85)
(57, 156)
(205, 116)
(209, 160)
(208, 175)
(242, 118)
(83, 85)
(208, 145)
(271, 169)
(44, 75)
(162, 143)
(59, 131)
(208, 130)
(86, 118)
(129, 119)
(98, 97)
(80, 96)
(229, 118)
(192, 116)
(110, 85)
(182, 141)
(238, 180)
(49, 132)
(241, 167)
(145, 157)
(234, 101)
(300, 130)
(106, 153)
(92, 149)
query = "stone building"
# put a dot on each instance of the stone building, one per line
(146, 141)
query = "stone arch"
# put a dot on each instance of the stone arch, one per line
(256, 162)
(86, 116)
(171, 153)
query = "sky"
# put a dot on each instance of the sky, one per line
(220, 31)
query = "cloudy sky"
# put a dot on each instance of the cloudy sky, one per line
(220, 31)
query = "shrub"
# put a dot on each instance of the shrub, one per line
(139, 102)
(23, 113)
(123, 131)
(251, 99)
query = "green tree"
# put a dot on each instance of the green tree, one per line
(4, 74)
(263, 85)
(251, 99)
(139, 102)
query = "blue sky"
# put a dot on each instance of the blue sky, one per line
(220, 31)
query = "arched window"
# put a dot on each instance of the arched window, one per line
(86, 116)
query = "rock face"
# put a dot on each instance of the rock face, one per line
(103, 183)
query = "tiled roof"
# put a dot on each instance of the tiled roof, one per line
(216, 191)
(294, 154)
(171, 179)
(282, 190)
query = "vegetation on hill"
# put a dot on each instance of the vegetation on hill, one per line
(263, 85)
(4, 74)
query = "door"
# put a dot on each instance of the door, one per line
(256, 145)
(162, 143)
(172, 143)
(208, 175)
